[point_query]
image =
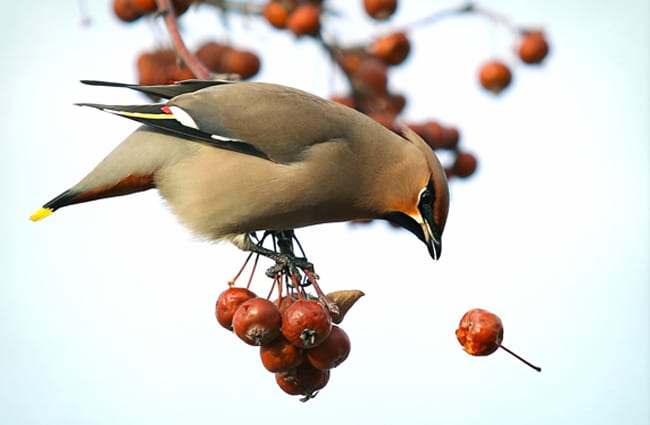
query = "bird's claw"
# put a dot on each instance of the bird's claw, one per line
(289, 264)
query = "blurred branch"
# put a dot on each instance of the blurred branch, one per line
(236, 6)
(166, 10)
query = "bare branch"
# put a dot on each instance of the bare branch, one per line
(166, 10)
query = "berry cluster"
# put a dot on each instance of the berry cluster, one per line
(303, 17)
(162, 66)
(297, 339)
(222, 58)
(366, 66)
(367, 69)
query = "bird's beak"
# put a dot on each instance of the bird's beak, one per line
(432, 238)
(423, 227)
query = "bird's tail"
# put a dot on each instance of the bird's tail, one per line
(130, 184)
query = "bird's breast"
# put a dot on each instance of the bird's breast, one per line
(217, 192)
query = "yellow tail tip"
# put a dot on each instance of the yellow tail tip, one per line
(40, 214)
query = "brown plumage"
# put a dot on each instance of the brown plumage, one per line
(234, 158)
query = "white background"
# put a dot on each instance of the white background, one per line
(106, 309)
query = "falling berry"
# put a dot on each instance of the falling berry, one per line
(481, 332)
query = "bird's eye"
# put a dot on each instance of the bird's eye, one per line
(426, 197)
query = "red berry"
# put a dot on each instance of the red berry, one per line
(533, 47)
(305, 20)
(181, 6)
(371, 77)
(257, 321)
(241, 62)
(380, 9)
(276, 14)
(392, 49)
(433, 134)
(303, 380)
(126, 10)
(397, 103)
(495, 76)
(332, 352)
(284, 302)
(350, 60)
(228, 302)
(480, 332)
(281, 355)
(181, 73)
(465, 164)
(145, 6)
(211, 55)
(306, 323)
(450, 137)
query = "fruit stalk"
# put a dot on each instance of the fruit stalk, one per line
(197, 68)
(537, 368)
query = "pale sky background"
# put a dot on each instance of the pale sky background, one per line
(106, 309)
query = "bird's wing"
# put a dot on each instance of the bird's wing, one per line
(282, 122)
(165, 91)
(162, 117)
(266, 120)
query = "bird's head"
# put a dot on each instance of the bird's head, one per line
(423, 208)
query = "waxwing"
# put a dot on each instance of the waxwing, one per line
(234, 158)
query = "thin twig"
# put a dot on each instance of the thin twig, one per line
(166, 10)
(438, 16)
(497, 18)
(245, 8)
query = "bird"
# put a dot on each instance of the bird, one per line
(234, 158)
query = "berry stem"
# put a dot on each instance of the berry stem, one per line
(232, 281)
(250, 279)
(332, 307)
(537, 368)
(296, 285)
(166, 9)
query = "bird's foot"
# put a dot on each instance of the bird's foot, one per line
(288, 264)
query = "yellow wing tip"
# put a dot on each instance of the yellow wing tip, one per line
(40, 214)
